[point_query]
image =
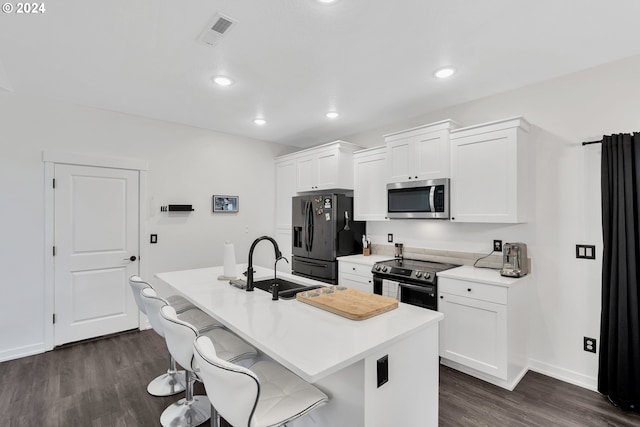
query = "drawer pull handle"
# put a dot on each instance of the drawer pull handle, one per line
(441, 297)
(468, 289)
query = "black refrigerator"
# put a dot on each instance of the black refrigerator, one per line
(323, 230)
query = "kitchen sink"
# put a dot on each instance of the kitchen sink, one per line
(286, 289)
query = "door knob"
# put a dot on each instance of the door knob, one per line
(131, 258)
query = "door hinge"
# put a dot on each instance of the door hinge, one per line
(54, 251)
(54, 318)
(54, 183)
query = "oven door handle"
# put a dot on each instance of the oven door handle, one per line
(422, 289)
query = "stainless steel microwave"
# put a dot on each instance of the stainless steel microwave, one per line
(419, 199)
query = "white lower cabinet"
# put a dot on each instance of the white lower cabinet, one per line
(474, 333)
(484, 329)
(355, 275)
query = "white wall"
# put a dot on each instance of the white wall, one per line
(564, 112)
(186, 165)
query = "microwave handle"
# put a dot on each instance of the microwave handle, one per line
(432, 198)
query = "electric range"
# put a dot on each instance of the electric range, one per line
(417, 280)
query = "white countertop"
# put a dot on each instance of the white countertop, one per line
(481, 275)
(311, 342)
(366, 260)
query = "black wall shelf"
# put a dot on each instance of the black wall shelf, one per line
(177, 208)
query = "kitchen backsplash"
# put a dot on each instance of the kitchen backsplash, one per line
(452, 257)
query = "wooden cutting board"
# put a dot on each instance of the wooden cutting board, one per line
(350, 303)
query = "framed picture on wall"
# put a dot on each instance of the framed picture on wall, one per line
(225, 204)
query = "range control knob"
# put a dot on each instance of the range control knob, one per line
(384, 269)
(427, 276)
(377, 267)
(418, 274)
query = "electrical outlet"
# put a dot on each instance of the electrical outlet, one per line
(589, 344)
(153, 238)
(497, 245)
(390, 238)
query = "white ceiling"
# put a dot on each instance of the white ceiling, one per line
(293, 60)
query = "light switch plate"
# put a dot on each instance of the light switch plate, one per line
(586, 251)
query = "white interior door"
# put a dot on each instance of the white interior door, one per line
(96, 220)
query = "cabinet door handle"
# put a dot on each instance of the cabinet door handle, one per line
(468, 289)
(441, 297)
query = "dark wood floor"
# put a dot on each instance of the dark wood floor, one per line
(103, 383)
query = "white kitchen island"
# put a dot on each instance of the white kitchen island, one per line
(340, 356)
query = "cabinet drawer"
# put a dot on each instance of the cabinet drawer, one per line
(355, 277)
(356, 282)
(479, 291)
(353, 268)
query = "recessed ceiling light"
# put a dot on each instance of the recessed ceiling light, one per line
(259, 122)
(222, 80)
(326, 1)
(445, 72)
(332, 114)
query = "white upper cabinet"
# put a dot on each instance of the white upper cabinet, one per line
(328, 166)
(285, 180)
(419, 153)
(285, 170)
(369, 182)
(490, 173)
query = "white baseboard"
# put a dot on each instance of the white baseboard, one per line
(144, 325)
(17, 353)
(509, 385)
(565, 375)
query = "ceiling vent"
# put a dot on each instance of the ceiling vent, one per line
(217, 27)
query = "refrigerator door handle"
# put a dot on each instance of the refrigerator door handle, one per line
(304, 226)
(311, 226)
(307, 225)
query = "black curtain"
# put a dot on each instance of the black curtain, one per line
(619, 364)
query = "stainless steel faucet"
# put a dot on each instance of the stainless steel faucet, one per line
(250, 266)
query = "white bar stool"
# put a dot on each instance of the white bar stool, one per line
(264, 395)
(176, 301)
(173, 381)
(195, 410)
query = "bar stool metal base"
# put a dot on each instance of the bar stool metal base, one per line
(168, 384)
(183, 414)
